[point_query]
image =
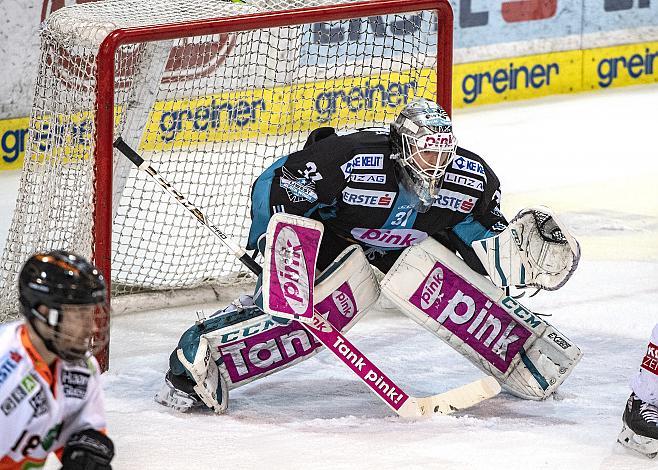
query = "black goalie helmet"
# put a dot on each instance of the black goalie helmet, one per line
(63, 296)
(424, 146)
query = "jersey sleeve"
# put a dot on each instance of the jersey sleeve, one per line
(486, 219)
(300, 184)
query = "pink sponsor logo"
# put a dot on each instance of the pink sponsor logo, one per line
(291, 269)
(650, 361)
(278, 346)
(388, 238)
(436, 141)
(471, 316)
(266, 352)
(432, 288)
(343, 303)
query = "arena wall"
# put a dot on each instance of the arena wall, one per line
(504, 51)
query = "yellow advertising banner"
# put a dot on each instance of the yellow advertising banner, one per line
(250, 114)
(13, 139)
(608, 67)
(517, 78)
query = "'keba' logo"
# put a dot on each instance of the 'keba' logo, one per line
(187, 59)
(432, 289)
(344, 304)
(291, 269)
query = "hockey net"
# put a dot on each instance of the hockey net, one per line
(211, 101)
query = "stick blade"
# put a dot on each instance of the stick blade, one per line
(457, 399)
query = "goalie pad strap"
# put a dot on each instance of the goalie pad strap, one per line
(439, 291)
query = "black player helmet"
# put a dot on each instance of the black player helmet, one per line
(424, 146)
(63, 296)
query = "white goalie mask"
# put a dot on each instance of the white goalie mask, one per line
(424, 146)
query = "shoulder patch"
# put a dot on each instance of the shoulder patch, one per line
(470, 166)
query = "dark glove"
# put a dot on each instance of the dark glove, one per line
(88, 450)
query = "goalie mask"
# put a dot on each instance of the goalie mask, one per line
(424, 146)
(63, 297)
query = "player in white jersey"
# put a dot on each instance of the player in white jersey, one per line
(50, 393)
(640, 419)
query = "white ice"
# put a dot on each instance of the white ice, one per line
(593, 158)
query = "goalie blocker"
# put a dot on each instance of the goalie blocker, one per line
(436, 289)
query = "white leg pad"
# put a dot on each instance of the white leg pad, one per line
(435, 288)
(344, 291)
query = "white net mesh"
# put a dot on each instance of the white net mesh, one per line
(209, 112)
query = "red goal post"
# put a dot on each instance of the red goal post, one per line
(106, 66)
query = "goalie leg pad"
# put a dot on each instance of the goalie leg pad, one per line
(435, 288)
(248, 344)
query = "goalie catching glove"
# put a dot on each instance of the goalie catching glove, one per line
(535, 250)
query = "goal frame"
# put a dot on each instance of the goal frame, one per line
(105, 89)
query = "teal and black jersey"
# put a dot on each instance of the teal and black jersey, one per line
(349, 182)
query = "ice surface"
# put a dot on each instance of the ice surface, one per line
(592, 157)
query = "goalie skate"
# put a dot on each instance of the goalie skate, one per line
(640, 427)
(177, 399)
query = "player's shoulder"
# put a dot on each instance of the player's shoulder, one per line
(88, 366)
(349, 140)
(15, 363)
(465, 153)
(327, 147)
(374, 136)
(8, 330)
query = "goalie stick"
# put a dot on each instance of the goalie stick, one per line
(403, 404)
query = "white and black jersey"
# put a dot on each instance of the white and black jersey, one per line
(349, 183)
(42, 406)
